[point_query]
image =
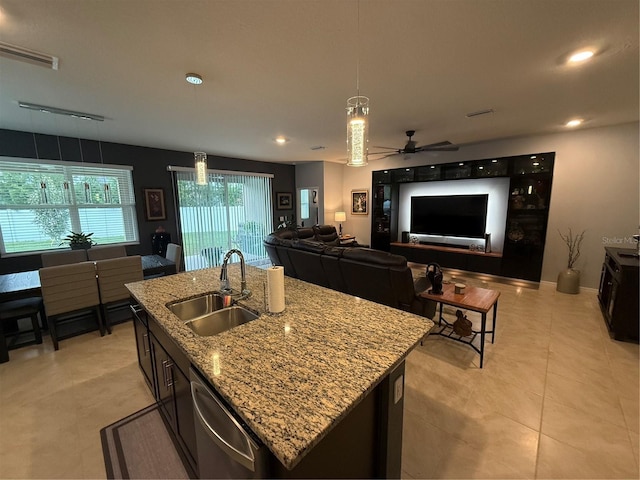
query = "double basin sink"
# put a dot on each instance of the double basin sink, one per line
(206, 315)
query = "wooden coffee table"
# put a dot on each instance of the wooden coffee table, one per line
(476, 299)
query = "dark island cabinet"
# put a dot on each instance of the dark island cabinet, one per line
(143, 343)
(618, 293)
(165, 368)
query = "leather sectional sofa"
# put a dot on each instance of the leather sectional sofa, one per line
(371, 274)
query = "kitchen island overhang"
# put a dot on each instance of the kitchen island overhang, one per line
(294, 376)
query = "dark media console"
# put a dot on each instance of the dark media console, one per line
(451, 257)
(527, 212)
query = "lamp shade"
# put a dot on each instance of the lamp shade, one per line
(340, 216)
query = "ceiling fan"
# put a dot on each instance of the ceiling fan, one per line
(411, 147)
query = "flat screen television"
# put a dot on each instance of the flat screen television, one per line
(450, 215)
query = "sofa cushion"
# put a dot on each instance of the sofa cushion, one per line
(334, 251)
(309, 246)
(285, 233)
(326, 234)
(368, 255)
(307, 262)
(305, 233)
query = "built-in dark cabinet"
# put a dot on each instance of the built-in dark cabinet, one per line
(381, 209)
(526, 226)
(618, 292)
(530, 179)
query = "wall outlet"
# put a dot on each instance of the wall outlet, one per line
(398, 389)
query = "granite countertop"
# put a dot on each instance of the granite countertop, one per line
(291, 376)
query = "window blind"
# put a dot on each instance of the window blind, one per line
(233, 210)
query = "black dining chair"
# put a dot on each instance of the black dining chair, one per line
(11, 312)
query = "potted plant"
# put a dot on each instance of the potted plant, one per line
(569, 279)
(78, 241)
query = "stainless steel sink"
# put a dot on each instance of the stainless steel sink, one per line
(196, 307)
(206, 314)
(221, 320)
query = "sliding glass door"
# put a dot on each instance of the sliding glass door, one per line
(233, 210)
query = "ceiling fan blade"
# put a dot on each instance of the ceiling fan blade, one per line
(387, 155)
(444, 148)
(395, 152)
(388, 148)
(439, 144)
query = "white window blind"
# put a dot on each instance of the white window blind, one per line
(41, 202)
(233, 210)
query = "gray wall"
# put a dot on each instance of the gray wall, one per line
(149, 171)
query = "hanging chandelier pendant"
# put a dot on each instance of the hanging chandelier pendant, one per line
(357, 131)
(201, 167)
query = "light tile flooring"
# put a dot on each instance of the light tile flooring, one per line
(556, 398)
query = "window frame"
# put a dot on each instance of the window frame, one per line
(71, 201)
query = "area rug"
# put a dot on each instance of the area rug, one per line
(140, 446)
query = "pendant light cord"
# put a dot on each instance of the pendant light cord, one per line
(358, 49)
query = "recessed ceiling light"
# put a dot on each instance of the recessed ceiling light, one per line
(573, 123)
(193, 78)
(280, 140)
(581, 56)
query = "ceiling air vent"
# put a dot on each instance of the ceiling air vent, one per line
(28, 56)
(479, 112)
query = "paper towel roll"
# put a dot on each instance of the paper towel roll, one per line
(275, 289)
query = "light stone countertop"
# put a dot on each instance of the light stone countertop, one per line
(292, 376)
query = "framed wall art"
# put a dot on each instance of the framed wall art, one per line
(154, 207)
(284, 201)
(359, 202)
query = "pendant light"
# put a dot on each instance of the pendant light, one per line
(200, 158)
(358, 118)
(201, 168)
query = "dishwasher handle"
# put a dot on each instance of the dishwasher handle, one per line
(246, 454)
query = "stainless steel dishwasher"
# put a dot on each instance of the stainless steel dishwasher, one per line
(226, 447)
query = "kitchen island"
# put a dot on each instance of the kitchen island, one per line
(295, 377)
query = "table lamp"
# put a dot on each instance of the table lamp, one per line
(340, 217)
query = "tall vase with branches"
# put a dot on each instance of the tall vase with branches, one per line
(573, 244)
(569, 279)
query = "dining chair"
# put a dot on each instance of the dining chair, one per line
(68, 291)
(174, 252)
(52, 259)
(112, 276)
(15, 310)
(108, 251)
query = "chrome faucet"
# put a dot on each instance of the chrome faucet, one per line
(224, 278)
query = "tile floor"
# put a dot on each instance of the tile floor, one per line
(556, 398)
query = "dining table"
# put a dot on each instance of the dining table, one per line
(27, 284)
